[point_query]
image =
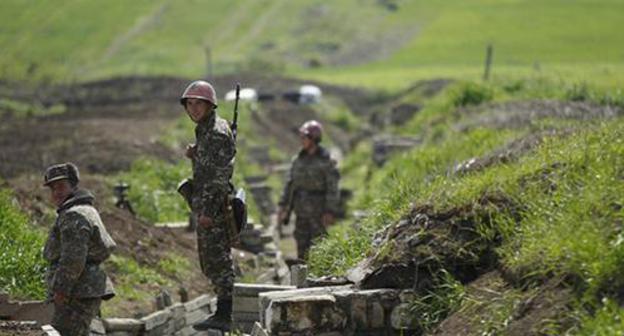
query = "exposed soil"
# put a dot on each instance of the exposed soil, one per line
(498, 308)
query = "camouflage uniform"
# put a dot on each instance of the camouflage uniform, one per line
(313, 186)
(77, 244)
(213, 165)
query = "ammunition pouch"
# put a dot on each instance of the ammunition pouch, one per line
(185, 188)
(237, 213)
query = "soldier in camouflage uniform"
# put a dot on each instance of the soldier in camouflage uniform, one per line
(77, 244)
(311, 189)
(212, 158)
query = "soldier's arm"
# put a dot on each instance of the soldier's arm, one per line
(332, 196)
(75, 235)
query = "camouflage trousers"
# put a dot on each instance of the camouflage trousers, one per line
(215, 257)
(73, 318)
(307, 229)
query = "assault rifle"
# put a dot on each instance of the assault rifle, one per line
(234, 125)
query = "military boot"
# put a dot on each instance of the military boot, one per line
(220, 320)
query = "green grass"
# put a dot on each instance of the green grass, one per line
(78, 40)
(563, 210)
(22, 267)
(152, 192)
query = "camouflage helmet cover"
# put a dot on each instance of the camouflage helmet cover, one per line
(201, 90)
(312, 129)
(62, 171)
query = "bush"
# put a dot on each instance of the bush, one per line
(22, 266)
(472, 94)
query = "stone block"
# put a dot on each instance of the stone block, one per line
(358, 312)
(401, 318)
(122, 333)
(97, 327)
(257, 330)
(49, 330)
(177, 311)
(123, 324)
(200, 302)
(252, 290)
(308, 313)
(246, 317)
(246, 304)
(375, 315)
(186, 331)
(196, 316)
(156, 319)
(298, 275)
(39, 311)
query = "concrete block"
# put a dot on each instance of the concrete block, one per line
(298, 275)
(123, 333)
(196, 316)
(304, 314)
(123, 324)
(177, 310)
(257, 330)
(252, 290)
(186, 331)
(401, 318)
(246, 304)
(246, 317)
(156, 319)
(97, 327)
(39, 311)
(49, 330)
(199, 302)
(375, 315)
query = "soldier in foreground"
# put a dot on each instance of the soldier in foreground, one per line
(212, 159)
(311, 189)
(77, 244)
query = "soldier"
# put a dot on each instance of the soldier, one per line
(311, 189)
(77, 244)
(212, 159)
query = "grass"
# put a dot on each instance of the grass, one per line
(576, 40)
(569, 190)
(22, 267)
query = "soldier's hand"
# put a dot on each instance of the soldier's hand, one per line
(204, 221)
(328, 219)
(59, 298)
(190, 151)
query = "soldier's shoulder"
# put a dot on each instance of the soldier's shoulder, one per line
(222, 126)
(80, 214)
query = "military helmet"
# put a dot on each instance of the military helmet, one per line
(201, 90)
(62, 171)
(312, 129)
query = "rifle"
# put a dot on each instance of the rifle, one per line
(289, 209)
(234, 125)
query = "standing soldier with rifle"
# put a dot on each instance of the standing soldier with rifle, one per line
(77, 244)
(208, 194)
(311, 189)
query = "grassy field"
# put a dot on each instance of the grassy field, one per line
(80, 40)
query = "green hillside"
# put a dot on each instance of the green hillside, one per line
(383, 44)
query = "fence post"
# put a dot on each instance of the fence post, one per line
(488, 62)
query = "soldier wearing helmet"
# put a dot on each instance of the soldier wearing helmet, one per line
(311, 189)
(212, 158)
(77, 244)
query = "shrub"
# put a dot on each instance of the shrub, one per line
(22, 266)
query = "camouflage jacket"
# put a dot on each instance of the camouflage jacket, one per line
(312, 184)
(77, 244)
(213, 165)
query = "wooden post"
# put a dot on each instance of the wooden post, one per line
(208, 52)
(488, 62)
